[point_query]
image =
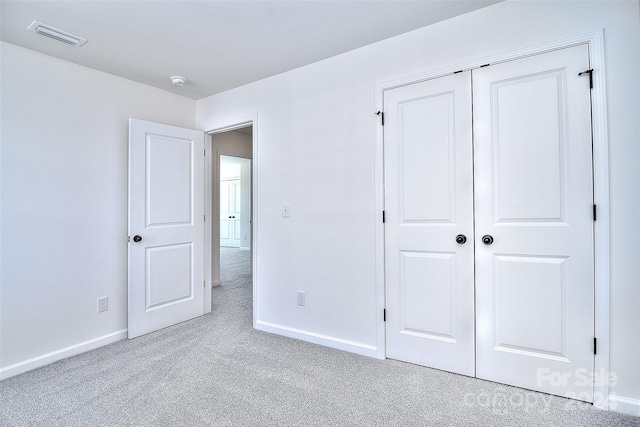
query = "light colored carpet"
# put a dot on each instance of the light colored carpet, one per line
(216, 370)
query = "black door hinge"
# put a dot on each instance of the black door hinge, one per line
(383, 217)
(381, 114)
(594, 212)
(595, 345)
(590, 72)
(384, 315)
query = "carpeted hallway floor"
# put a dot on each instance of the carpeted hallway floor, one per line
(216, 370)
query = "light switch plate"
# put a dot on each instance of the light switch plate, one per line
(286, 210)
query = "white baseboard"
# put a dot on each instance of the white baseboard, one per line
(54, 356)
(324, 340)
(624, 405)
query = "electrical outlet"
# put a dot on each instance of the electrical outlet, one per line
(103, 304)
(301, 298)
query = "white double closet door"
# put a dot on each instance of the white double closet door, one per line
(489, 223)
(230, 212)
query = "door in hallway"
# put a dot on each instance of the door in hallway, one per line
(230, 213)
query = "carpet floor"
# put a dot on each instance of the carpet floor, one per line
(217, 371)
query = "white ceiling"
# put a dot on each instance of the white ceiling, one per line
(217, 45)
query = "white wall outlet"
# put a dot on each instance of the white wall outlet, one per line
(103, 304)
(286, 210)
(301, 298)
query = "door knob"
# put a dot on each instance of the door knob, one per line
(461, 239)
(487, 239)
(137, 238)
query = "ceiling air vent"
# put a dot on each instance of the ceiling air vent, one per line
(54, 33)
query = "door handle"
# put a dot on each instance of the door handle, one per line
(137, 238)
(487, 239)
(461, 239)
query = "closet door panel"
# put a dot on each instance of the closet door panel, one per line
(428, 202)
(534, 225)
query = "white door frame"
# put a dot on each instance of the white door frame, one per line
(212, 207)
(595, 41)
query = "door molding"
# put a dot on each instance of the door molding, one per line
(595, 41)
(212, 206)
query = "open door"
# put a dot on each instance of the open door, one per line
(166, 226)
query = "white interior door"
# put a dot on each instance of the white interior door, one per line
(530, 180)
(230, 213)
(166, 226)
(534, 198)
(428, 204)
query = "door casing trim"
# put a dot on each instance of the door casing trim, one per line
(595, 41)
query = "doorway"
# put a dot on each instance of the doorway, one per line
(231, 194)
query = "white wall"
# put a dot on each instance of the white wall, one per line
(64, 203)
(315, 150)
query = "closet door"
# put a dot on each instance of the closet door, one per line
(429, 215)
(534, 223)
(230, 212)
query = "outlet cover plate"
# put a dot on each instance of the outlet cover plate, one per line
(103, 304)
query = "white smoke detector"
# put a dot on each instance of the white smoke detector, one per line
(178, 80)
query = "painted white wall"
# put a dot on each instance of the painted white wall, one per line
(315, 145)
(64, 203)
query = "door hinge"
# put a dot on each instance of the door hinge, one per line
(381, 114)
(595, 345)
(594, 212)
(205, 152)
(590, 72)
(204, 283)
(384, 314)
(205, 218)
(383, 217)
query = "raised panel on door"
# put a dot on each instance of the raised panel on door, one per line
(428, 202)
(533, 192)
(166, 226)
